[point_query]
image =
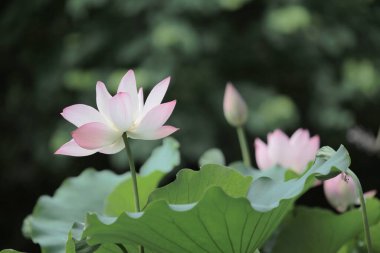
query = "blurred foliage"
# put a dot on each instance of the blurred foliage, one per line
(310, 63)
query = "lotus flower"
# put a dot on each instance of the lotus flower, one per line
(341, 194)
(234, 107)
(102, 130)
(292, 153)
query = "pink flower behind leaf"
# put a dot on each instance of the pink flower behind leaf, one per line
(340, 192)
(101, 130)
(234, 107)
(293, 153)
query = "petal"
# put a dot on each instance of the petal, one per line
(303, 149)
(308, 153)
(95, 135)
(159, 133)
(262, 156)
(102, 99)
(300, 137)
(80, 114)
(113, 148)
(156, 95)
(71, 148)
(297, 144)
(156, 117)
(313, 147)
(120, 111)
(128, 84)
(278, 145)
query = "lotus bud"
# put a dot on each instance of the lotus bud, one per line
(235, 108)
(340, 192)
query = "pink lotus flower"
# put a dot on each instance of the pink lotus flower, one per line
(102, 130)
(341, 194)
(234, 107)
(293, 153)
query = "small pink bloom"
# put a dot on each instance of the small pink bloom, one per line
(235, 109)
(341, 193)
(101, 130)
(292, 153)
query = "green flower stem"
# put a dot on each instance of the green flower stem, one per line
(359, 191)
(243, 146)
(134, 179)
(133, 172)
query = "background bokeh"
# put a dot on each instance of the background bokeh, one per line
(312, 64)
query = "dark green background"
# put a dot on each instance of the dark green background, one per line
(312, 64)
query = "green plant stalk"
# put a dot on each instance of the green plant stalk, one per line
(134, 179)
(359, 191)
(243, 146)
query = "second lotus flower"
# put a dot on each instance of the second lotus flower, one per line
(291, 153)
(102, 130)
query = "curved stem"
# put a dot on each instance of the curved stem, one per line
(134, 179)
(359, 191)
(243, 146)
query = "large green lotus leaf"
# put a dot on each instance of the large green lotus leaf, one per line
(164, 158)
(266, 193)
(120, 198)
(53, 217)
(10, 251)
(208, 211)
(315, 230)
(217, 223)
